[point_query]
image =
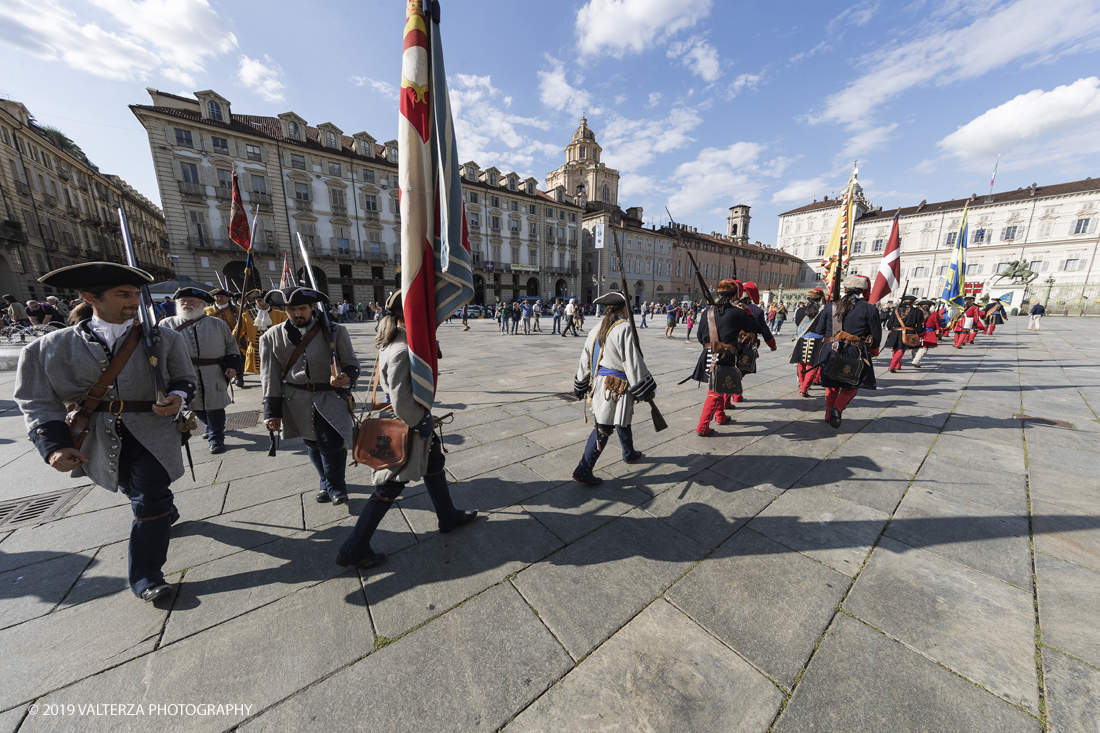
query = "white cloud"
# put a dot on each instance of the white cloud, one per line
(699, 56)
(717, 176)
(801, 191)
(1024, 32)
(633, 186)
(619, 99)
(180, 77)
(1030, 118)
(171, 37)
(558, 94)
(867, 141)
(654, 98)
(262, 77)
(383, 88)
(619, 26)
(743, 82)
(488, 134)
(631, 144)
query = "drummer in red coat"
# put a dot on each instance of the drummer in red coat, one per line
(933, 323)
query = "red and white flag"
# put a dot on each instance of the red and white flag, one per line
(889, 269)
(238, 219)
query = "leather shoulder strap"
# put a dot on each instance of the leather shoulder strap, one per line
(712, 327)
(99, 390)
(187, 324)
(300, 349)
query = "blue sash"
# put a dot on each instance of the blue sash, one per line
(605, 372)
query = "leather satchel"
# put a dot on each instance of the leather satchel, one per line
(725, 380)
(909, 337)
(79, 414)
(842, 367)
(383, 443)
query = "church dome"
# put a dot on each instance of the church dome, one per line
(584, 132)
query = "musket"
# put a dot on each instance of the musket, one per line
(698, 273)
(150, 331)
(659, 423)
(326, 326)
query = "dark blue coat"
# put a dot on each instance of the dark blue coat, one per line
(730, 324)
(862, 320)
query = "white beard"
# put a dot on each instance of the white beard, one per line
(190, 315)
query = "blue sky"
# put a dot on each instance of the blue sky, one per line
(700, 104)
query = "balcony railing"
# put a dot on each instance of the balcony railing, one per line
(223, 192)
(263, 199)
(494, 231)
(22, 188)
(51, 243)
(73, 249)
(82, 184)
(377, 255)
(303, 205)
(72, 210)
(370, 215)
(195, 243)
(220, 149)
(63, 174)
(14, 235)
(340, 209)
(190, 189)
(550, 239)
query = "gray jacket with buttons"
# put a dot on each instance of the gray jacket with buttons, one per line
(58, 368)
(209, 338)
(296, 406)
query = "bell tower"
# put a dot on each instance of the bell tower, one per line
(737, 225)
(584, 176)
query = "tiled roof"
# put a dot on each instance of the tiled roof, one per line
(1020, 194)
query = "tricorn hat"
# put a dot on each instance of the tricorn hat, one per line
(274, 297)
(193, 293)
(95, 275)
(612, 297)
(221, 291)
(926, 303)
(297, 295)
(255, 294)
(908, 298)
(395, 298)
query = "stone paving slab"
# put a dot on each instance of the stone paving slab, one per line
(993, 542)
(1072, 693)
(10, 720)
(469, 670)
(1067, 533)
(573, 510)
(768, 603)
(1064, 488)
(249, 659)
(708, 508)
(976, 484)
(66, 535)
(1068, 598)
(661, 672)
(864, 682)
(862, 482)
(971, 623)
(30, 592)
(586, 591)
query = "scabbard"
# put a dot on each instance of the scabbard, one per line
(274, 443)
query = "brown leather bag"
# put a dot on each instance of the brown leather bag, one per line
(79, 415)
(383, 443)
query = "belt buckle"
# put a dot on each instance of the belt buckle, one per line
(312, 387)
(111, 404)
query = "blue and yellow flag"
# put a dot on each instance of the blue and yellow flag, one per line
(954, 285)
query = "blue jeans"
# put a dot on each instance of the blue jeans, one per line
(214, 420)
(557, 323)
(329, 455)
(515, 326)
(778, 325)
(145, 483)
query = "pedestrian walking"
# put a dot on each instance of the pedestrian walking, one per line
(1035, 315)
(571, 310)
(466, 317)
(780, 318)
(505, 317)
(537, 310)
(722, 333)
(226, 310)
(690, 323)
(612, 376)
(119, 435)
(905, 326)
(425, 455)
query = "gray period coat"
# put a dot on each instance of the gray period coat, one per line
(621, 355)
(395, 381)
(296, 406)
(209, 338)
(58, 368)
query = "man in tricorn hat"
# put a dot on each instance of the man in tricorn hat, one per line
(750, 301)
(265, 318)
(612, 375)
(215, 356)
(226, 309)
(302, 397)
(905, 323)
(98, 377)
(732, 322)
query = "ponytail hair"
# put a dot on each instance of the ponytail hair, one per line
(388, 326)
(611, 316)
(83, 310)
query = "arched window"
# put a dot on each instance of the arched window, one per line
(292, 130)
(606, 196)
(330, 139)
(364, 147)
(214, 110)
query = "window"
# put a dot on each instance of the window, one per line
(375, 245)
(339, 201)
(532, 229)
(330, 139)
(1037, 266)
(473, 197)
(513, 206)
(515, 256)
(334, 169)
(532, 256)
(214, 110)
(364, 147)
(308, 234)
(252, 152)
(298, 161)
(918, 271)
(225, 179)
(514, 226)
(561, 214)
(857, 247)
(494, 222)
(197, 225)
(531, 188)
(1081, 226)
(1008, 233)
(980, 235)
(495, 201)
(301, 191)
(183, 138)
(974, 269)
(573, 217)
(511, 184)
(368, 175)
(221, 145)
(259, 184)
(951, 238)
(943, 270)
(550, 233)
(370, 202)
(1046, 228)
(342, 243)
(821, 250)
(492, 179)
(877, 245)
(1074, 264)
(292, 130)
(190, 173)
(532, 209)
(475, 220)
(925, 240)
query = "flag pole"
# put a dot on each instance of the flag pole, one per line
(248, 264)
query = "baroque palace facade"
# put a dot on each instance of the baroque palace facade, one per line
(59, 209)
(340, 193)
(1050, 228)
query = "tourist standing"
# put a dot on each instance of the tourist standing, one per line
(780, 318)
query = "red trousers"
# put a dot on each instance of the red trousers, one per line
(838, 397)
(807, 375)
(990, 328)
(970, 337)
(714, 408)
(960, 338)
(895, 362)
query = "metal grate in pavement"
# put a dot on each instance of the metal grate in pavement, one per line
(235, 421)
(31, 510)
(1043, 421)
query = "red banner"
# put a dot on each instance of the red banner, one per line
(238, 219)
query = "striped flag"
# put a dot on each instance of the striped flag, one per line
(436, 274)
(889, 269)
(286, 279)
(994, 176)
(954, 286)
(838, 253)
